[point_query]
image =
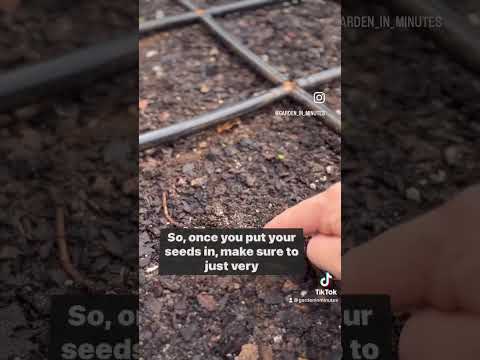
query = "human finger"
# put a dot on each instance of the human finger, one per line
(439, 335)
(325, 253)
(318, 214)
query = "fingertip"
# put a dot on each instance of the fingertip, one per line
(272, 224)
(325, 253)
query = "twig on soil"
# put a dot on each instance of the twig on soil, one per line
(64, 254)
(165, 210)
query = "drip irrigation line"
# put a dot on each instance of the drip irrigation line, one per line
(18, 87)
(331, 119)
(455, 35)
(190, 17)
(188, 127)
(320, 78)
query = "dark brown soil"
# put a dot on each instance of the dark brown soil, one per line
(75, 150)
(410, 128)
(236, 177)
(39, 31)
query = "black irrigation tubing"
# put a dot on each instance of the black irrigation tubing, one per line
(330, 118)
(456, 35)
(23, 85)
(188, 127)
(190, 17)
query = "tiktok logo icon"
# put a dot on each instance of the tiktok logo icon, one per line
(326, 280)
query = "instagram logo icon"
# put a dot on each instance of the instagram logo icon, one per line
(319, 97)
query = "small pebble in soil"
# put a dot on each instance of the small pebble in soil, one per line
(413, 194)
(439, 177)
(289, 286)
(151, 53)
(158, 70)
(452, 155)
(188, 169)
(474, 19)
(207, 301)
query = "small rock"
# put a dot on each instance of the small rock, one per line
(158, 70)
(289, 286)
(146, 335)
(277, 339)
(413, 194)
(189, 169)
(248, 144)
(474, 19)
(214, 52)
(204, 89)
(199, 181)
(329, 169)
(439, 177)
(213, 154)
(151, 269)
(248, 352)
(151, 53)
(313, 186)
(207, 301)
(211, 70)
(249, 180)
(217, 209)
(188, 332)
(452, 155)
